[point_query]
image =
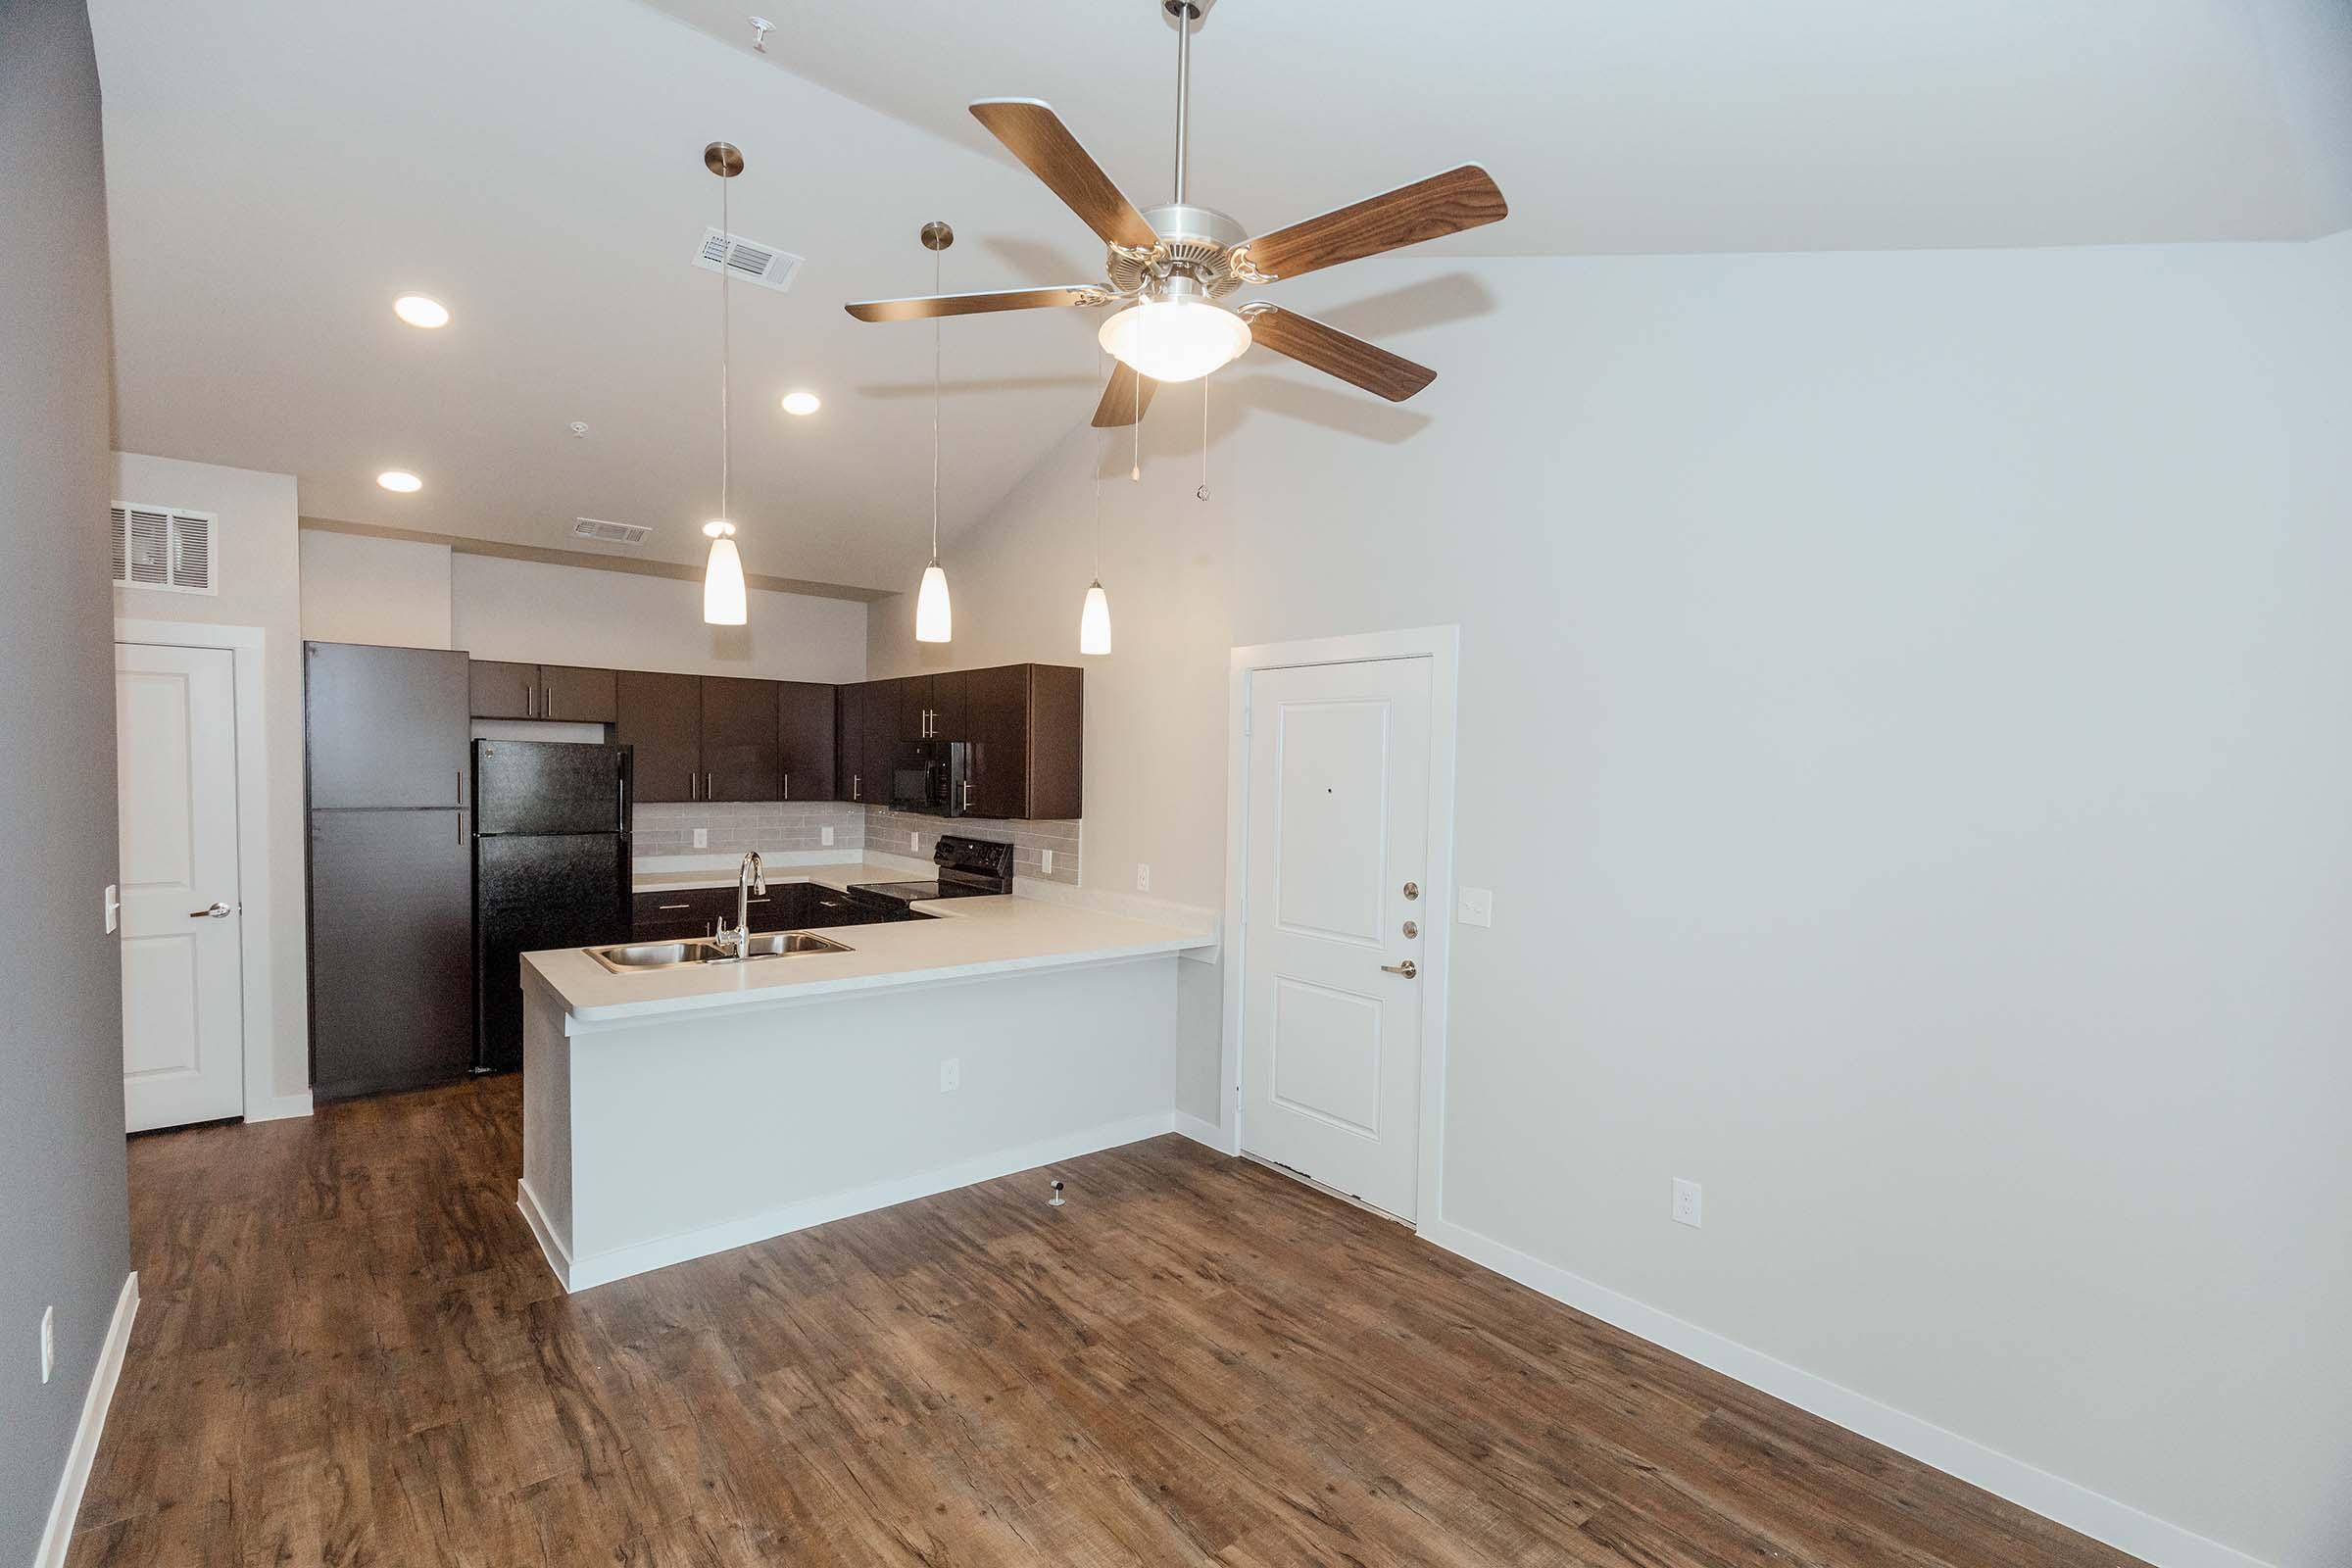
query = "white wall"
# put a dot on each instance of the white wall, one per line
(259, 572)
(361, 589)
(524, 610)
(1901, 722)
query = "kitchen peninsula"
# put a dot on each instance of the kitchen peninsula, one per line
(670, 1113)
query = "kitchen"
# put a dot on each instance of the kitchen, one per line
(478, 905)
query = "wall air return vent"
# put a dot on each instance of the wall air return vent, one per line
(164, 548)
(610, 533)
(747, 259)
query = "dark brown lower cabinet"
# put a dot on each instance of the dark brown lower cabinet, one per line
(661, 716)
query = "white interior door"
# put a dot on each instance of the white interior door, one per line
(1338, 833)
(175, 760)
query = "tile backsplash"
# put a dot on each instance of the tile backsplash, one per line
(886, 833)
(772, 827)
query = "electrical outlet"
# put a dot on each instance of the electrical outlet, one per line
(914, 843)
(702, 838)
(1047, 866)
(1686, 1202)
(48, 1342)
(114, 907)
(1142, 878)
(1477, 907)
(951, 1075)
(826, 838)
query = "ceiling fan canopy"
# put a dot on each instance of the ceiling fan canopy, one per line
(1170, 267)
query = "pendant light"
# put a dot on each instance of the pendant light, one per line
(725, 599)
(1094, 619)
(934, 619)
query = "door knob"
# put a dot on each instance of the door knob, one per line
(1407, 968)
(212, 912)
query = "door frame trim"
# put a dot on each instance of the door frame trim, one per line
(247, 647)
(1441, 646)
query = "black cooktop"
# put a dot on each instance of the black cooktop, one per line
(971, 868)
(915, 892)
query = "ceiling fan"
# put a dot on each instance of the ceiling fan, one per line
(1170, 267)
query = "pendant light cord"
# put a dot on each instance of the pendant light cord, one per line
(938, 258)
(725, 239)
(1101, 451)
(1202, 492)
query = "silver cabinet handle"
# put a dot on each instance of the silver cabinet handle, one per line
(857, 783)
(546, 701)
(212, 912)
(674, 906)
(694, 786)
(460, 788)
(530, 701)
(967, 795)
(1407, 968)
(710, 785)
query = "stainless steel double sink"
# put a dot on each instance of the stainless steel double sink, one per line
(633, 957)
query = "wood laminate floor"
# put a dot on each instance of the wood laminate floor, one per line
(350, 1354)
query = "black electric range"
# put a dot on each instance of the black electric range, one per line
(968, 869)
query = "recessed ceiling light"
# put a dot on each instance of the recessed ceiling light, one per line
(801, 403)
(418, 311)
(399, 480)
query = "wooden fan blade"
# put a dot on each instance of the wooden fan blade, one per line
(1337, 353)
(1428, 209)
(1035, 134)
(926, 306)
(1125, 399)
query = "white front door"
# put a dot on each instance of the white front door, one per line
(1339, 834)
(176, 761)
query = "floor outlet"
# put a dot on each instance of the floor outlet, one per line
(1142, 879)
(1686, 1202)
(951, 1075)
(702, 838)
(825, 836)
(48, 1342)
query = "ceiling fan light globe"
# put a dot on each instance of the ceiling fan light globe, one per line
(1175, 340)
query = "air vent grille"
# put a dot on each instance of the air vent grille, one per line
(747, 259)
(164, 548)
(610, 533)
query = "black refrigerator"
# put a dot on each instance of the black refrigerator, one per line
(551, 869)
(387, 793)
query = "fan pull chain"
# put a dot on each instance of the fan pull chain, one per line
(1202, 492)
(1135, 467)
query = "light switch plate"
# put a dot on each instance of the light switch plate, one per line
(826, 838)
(1046, 856)
(702, 838)
(914, 843)
(48, 1343)
(1477, 907)
(1142, 879)
(114, 908)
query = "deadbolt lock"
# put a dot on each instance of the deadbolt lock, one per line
(1412, 890)
(1411, 930)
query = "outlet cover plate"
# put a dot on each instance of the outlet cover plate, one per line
(1686, 1202)
(1477, 907)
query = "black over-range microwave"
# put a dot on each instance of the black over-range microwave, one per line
(931, 778)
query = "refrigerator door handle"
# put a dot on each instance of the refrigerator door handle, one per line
(622, 780)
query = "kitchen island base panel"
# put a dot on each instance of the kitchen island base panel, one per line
(651, 1144)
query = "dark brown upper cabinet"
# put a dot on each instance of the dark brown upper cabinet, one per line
(865, 726)
(661, 716)
(1026, 723)
(804, 735)
(741, 756)
(567, 692)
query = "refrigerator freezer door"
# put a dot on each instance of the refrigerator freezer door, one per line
(547, 787)
(391, 916)
(386, 728)
(563, 891)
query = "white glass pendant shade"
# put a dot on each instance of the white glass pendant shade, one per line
(724, 600)
(934, 621)
(1175, 340)
(1093, 623)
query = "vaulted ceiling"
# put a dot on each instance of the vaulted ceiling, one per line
(279, 169)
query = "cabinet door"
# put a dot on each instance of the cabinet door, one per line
(805, 737)
(887, 725)
(504, 691)
(579, 695)
(914, 707)
(1056, 786)
(951, 706)
(741, 760)
(848, 742)
(385, 727)
(997, 723)
(661, 716)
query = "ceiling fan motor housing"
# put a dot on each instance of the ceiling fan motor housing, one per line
(1195, 243)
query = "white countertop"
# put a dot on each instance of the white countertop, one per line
(969, 937)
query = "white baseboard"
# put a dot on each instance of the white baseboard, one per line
(278, 1107)
(1202, 1131)
(558, 1256)
(2078, 1507)
(579, 1273)
(94, 1404)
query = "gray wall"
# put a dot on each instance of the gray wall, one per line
(64, 1235)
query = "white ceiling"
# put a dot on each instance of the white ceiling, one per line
(278, 170)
